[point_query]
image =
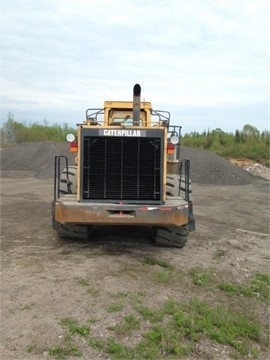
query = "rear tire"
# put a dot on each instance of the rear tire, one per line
(68, 185)
(73, 231)
(173, 236)
(172, 186)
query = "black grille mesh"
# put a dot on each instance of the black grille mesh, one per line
(121, 168)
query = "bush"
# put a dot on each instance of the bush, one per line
(13, 132)
(248, 143)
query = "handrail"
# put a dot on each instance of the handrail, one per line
(57, 175)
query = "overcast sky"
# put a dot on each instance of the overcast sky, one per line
(207, 62)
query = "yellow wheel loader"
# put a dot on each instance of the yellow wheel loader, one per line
(127, 172)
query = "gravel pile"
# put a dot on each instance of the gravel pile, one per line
(37, 157)
(206, 167)
(211, 169)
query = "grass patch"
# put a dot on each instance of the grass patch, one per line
(84, 282)
(114, 308)
(30, 348)
(173, 330)
(235, 289)
(97, 343)
(74, 327)
(162, 277)
(149, 314)
(200, 276)
(121, 294)
(190, 323)
(126, 326)
(258, 286)
(225, 327)
(160, 343)
(153, 261)
(93, 320)
(110, 346)
(69, 348)
(115, 348)
(91, 289)
(187, 324)
(27, 307)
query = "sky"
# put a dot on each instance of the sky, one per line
(204, 61)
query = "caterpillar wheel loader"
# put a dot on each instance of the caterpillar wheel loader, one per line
(127, 172)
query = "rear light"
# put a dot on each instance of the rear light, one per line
(73, 146)
(170, 149)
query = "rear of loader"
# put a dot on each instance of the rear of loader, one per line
(127, 173)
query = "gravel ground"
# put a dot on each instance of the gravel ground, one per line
(38, 158)
(46, 280)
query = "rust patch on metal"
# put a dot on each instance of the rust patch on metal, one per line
(118, 214)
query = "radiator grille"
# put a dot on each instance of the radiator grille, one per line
(121, 168)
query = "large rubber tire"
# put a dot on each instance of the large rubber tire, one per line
(73, 231)
(172, 187)
(69, 186)
(173, 236)
(71, 181)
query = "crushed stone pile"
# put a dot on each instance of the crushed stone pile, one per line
(35, 157)
(211, 169)
(38, 158)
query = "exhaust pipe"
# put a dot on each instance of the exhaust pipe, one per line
(136, 104)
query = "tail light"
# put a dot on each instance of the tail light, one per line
(73, 146)
(170, 149)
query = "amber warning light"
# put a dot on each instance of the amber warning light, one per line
(170, 149)
(73, 147)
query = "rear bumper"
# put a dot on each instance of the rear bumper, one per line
(67, 210)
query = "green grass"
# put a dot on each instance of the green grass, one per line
(128, 324)
(149, 314)
(30, 348)
(84, 282)
(200, 276)
(115, 348)
(213, 308)
(90, 288)
(26, 307)
(189, 323)
(67, 349)
(114, 308)
(258, 286)
(153, 261)
(97, 343)
(74, 327)
(177, 327)
(163, 277)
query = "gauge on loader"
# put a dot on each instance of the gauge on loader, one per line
(70, 138)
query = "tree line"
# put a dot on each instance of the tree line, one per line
(248, 142)
(13, 132)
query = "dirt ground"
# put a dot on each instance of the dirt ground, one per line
(41, 273)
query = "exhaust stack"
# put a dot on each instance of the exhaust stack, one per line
(136, 104)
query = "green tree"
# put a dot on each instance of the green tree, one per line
(250, 131)
(13, 132)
